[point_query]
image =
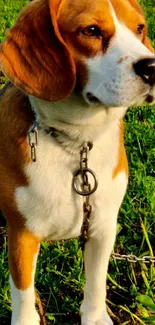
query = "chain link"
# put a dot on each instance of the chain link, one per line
(33, 142)
(86, 187)
(133, 258)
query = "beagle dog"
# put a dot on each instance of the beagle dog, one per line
(75, 67)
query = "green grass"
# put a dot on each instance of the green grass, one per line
(131, 287)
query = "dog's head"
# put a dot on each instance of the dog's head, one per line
(97, 47)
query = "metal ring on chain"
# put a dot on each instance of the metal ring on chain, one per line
(91, 191)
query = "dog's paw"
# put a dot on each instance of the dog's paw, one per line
(104, 320)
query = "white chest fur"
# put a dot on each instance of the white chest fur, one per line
(51, 207)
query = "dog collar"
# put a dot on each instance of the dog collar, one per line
(36, 120)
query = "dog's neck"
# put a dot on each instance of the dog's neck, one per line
(76, 121)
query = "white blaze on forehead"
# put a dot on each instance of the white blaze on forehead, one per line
(128, 44)
(125, 38)
(113, 13)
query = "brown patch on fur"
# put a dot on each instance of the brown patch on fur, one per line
(23, 246)
(136, 6)
(130, 12)
(122, 59)
(16, 117)
(147, 43)
(82, 76)
(122, 164)
(34, 55)
(83, 14)
(145, 39)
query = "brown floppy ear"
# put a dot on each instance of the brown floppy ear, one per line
(146, 40)
(35, 57)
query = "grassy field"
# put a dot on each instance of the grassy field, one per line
(131, 287)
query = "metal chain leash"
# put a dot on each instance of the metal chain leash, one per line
(133, 258)
(85, 190)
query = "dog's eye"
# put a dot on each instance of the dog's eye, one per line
(140, 29)
(92, 31)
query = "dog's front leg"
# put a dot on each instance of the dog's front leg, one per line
(23, 251)
(97, 253)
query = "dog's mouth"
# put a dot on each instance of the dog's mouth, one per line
(92, 99)
(147, 96)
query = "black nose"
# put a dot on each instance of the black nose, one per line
(145, 68)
